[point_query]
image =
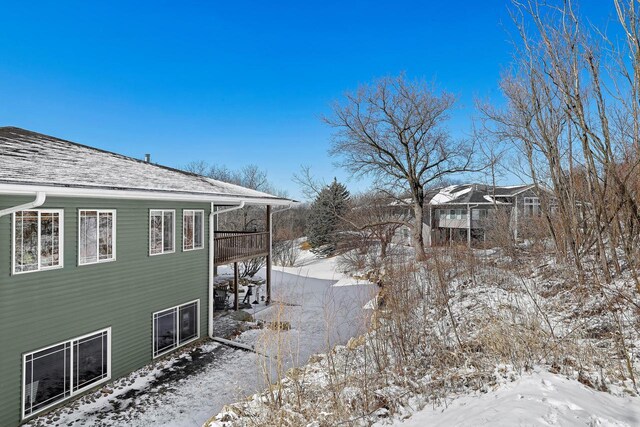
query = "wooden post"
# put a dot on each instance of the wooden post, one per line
(269, 229)
(235, 286)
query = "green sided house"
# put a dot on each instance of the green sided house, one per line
(106, 262)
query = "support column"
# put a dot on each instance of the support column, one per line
(215, 228)
(269, 227)
(469, 225)
(236, 273)
(515, 234)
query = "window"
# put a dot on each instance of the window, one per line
(96, 234)
(531, 206)
(161, 231)
(456, 214)
(65, 369)
(477, 214)
(175, 327)
(37, 240)
(192, 230)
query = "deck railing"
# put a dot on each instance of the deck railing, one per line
(233, 246)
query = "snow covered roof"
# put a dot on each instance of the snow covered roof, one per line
(29, 159)
(473, 194)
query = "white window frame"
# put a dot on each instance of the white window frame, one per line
(178, 345)
(113, 237)
(72, 392)
(60, 213)
(174, 231)
(193, 238)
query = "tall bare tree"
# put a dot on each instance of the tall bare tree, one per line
(393, 129)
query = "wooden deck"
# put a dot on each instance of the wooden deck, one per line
(235, 246)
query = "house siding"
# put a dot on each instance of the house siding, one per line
(46, 307)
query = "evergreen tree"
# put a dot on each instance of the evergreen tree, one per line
(324, 217)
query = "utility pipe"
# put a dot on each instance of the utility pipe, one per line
(41, 196)
(212, 214)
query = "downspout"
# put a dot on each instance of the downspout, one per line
(41, 196)
(270, 256)
(212, 214)
(271, 224)
(270, 228)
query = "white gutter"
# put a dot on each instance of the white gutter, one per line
(103, 193)
(39, 201)
(212, 214)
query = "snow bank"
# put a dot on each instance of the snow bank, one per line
(541, 398)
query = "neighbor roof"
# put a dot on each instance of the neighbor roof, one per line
(473, 194)
(35, 160)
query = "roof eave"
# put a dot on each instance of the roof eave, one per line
(136, 194)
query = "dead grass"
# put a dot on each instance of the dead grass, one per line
(448, 327)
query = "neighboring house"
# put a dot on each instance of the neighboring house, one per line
(106, 262)
(462, 213)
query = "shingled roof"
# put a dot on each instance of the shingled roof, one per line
(32, 159)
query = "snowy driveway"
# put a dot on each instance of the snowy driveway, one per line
(194, 385)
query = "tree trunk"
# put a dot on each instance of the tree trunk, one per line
(383, 248)
(417, 241)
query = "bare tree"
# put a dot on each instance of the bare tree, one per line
(376, 217)
(572, 109)
(393, 130)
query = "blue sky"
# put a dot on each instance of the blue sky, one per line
(233, 82)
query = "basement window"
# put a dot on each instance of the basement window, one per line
(192, 229)
(37, 240)
(57, 372)
(175, 327)
(96, 236)
(161, 231)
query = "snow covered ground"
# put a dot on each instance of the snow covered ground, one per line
(195, 384)
(309, 265)
(537, 399)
